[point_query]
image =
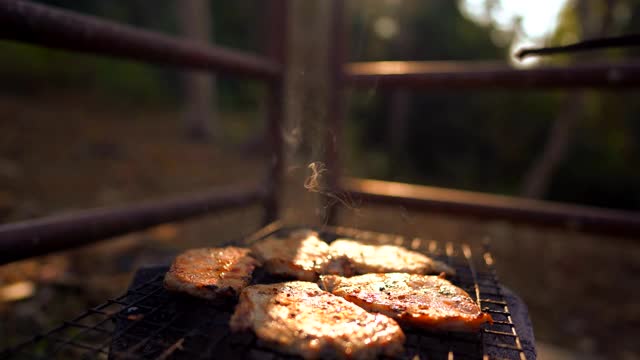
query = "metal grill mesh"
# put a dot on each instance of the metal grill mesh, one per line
(149, 323)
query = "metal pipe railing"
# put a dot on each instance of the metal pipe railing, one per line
(486, 75)
(487, 206)
(41, 236)
(28, 22)
(62, 29)
(438, 75)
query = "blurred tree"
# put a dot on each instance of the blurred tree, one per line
(402, 47)
(201, 113)
(572, 146)
(415, 149)
(480, 140)
(593, 20)
(606, 139)
(307, 74)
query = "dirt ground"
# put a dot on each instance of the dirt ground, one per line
(58, 155)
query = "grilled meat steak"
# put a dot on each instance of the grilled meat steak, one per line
(301, 256)
(363, 259)
(298, 318)
(428, 302)
(211, 273)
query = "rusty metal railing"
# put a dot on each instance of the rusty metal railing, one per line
(488, 75)
(61, 29)
(24, 21)
(421, 75)
(40, 236)
(46, 26)
(488, 206)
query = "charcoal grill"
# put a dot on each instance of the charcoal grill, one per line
(147, 322)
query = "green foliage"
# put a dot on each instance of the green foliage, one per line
(480, 140)
(28, 69)
(487, 140)
(599, 170)
(240, 24)
(455, 139)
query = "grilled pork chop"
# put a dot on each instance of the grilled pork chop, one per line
(211, 273)
(428, 302)
(363, 259)
(301, 256)
(298, 318)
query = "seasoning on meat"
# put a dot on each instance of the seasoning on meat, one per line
(211, 273)
(298, 318)
(364, 259)
(424, 301)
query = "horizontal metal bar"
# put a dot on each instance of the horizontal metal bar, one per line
(490, 301)
(486, 206)
(41, 236)
(500, 333)
(463, 75)
(504, 323)
(505, 346)
(51, 27)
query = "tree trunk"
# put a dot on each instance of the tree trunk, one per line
(306, 92)
(200, 107)
(307, 78)
(538, 178)
(402, 47)
(398, 126)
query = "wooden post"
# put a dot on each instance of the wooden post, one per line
(277, 11)
(336, 105)
(200, 111)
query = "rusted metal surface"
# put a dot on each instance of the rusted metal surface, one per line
(629, 40)
(47, 26)
(335, 111)
(275, 107)
(489, 75)
(28, 22)
(41, 236)
(486, 206)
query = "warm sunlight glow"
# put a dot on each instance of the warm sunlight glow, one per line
(538, 19)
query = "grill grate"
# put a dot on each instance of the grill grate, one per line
(149, 323)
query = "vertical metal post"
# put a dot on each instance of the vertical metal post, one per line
(277, 15)
(335, 111)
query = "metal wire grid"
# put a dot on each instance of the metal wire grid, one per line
(478, 277)
(149, 323)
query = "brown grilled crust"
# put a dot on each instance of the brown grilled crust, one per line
(298, 318)
(211, 273)
(429, 302)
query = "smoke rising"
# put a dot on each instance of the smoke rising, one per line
(313, 183)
